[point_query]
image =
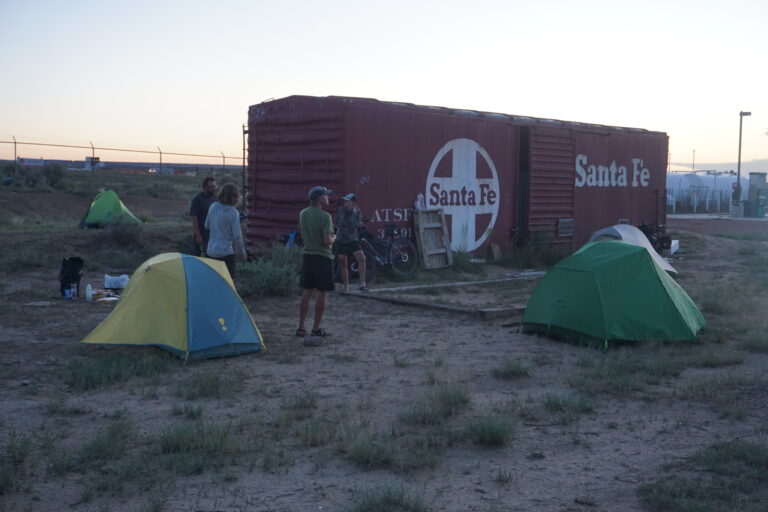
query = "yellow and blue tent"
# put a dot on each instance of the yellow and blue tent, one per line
(184, 304)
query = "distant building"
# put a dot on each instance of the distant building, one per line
(31, 162)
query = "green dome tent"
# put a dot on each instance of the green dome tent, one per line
(612, 291)
(107, 208)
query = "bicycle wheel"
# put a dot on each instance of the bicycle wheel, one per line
(404, 257)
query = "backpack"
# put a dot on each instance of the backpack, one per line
(70, 274)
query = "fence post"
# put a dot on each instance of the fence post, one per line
(93, 155)
(161, 159)
(15, 158)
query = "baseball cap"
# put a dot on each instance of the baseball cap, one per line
(318, 191)
(350, 197)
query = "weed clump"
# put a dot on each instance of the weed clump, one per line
(489, 431)
(86, 374)
(31, 178)
(386, 499)
(274, 274)
(510, 370)
(192, 448)
(443, 402)
(727, 476)
(539, 251)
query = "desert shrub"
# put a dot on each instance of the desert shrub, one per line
(210, 384)
(77, 186)
(111, 443)
(366, 450)
(274, 274)
(22, 259)
(190, 449)
(439, 404)
(85, 374)
(286, 256)
(122, 234)
(53, 173)
(722, 476)
(463, 263)
(538, 251)
(510, 369)
(162, 190)
(31, 177)
(7, 477)
(488, 431)
(386, 499)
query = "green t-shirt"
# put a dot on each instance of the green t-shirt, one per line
(314, 224)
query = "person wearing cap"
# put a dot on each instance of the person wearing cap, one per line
(349, 220)
(316, 228)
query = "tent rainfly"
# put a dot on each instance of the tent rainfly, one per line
(612, 290)
(184, 304)
(107, 208)
(631, 235)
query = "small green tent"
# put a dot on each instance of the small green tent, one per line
(612, 291)
(107, 208)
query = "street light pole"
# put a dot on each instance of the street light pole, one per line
(737, 199)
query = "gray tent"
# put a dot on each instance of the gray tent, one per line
(634, 236)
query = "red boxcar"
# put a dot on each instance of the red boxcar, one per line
(499, 178)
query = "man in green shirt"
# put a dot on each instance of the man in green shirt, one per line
(316, 229)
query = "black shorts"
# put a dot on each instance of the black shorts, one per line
(317, 273)
(348, 247)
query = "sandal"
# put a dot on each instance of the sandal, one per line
(319, 332)
(364, 289)
(301, 332)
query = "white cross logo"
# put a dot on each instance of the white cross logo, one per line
(463, 195)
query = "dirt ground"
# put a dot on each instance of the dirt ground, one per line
(379, 360)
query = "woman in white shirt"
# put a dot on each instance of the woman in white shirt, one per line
(223, 221)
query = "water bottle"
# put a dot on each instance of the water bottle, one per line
(89, 292)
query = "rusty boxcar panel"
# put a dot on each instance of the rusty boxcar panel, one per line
(618, 177)
(462, 163)
(496, 176)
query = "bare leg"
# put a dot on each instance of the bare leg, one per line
(360, 257)
(344, 271)
(319, 310)
(304, 307)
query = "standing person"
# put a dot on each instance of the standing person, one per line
(349, 219)
(198, 210)
(223, 221)
(317, 266)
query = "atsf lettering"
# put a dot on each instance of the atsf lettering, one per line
(591, 175)
(392, 215)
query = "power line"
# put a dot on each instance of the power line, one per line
(92, 148)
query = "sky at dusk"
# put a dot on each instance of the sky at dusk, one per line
(181, 74)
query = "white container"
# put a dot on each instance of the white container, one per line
(89, 292)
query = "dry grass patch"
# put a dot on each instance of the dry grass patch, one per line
(722, 477)
(210, 384)
(114, 366)
(365, 449)
(386, 499)
(437, 405)
(489, 431)
(510, 369)
(192, 448)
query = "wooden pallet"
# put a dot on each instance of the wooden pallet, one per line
(432, 238)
